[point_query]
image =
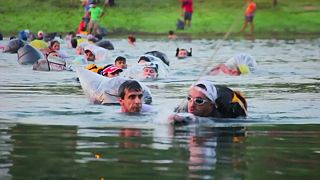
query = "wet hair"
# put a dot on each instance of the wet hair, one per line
(74, 42)
(132, 38)
(145, 58)
(171, 32)
(177, 51)
(190, 52)
(120, 58)
(53, 42)
(202, 86)
(130, 85)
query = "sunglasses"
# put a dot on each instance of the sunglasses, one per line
(197, 100)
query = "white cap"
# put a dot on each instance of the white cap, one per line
(40, 33)
(210, 92)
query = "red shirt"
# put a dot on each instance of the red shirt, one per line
(187, 5)
(251, 9)
(82, 27)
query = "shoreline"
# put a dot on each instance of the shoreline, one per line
(234, 36)
(212, 35)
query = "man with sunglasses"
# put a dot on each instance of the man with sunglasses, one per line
(208, 100)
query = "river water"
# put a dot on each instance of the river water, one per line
(49, 130)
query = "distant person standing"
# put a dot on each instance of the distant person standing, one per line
(86, 5)
(187, 10)
(95, 14)
(82, 27)
(250, 11)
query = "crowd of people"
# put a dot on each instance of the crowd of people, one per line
(204, 98)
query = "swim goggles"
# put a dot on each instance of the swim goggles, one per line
(197, 100)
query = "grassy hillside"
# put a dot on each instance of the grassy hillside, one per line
(160, 16)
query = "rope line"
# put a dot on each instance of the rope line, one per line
(216, 49)
(219, 44)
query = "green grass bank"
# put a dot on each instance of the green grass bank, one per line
(157, 17)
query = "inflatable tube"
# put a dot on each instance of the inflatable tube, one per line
(105, 44)
(102, 90)
(136, 71)
(52, 64)
(163, 68)
(161, 56)
(239, 60)
(14, 45)
(41, 65)
(29, 55)
(39, 44)
(100, 53)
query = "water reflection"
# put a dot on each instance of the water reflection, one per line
(213, 150)
(40, 152)
(191, 152)
(162, 149)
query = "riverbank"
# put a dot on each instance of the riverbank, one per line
(234, 36)
(211, 19)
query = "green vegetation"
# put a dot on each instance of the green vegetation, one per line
(159, 16)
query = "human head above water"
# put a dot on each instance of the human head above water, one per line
(150, 70)
(201, 98)
(40, 35)
(89, 55)
(111, 71)
(183, 53)
(130, 96)
(121, 62)
(131, 39)
(74, 42)
(143, 59)
(54, 45)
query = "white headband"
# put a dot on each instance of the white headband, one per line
(210, 93)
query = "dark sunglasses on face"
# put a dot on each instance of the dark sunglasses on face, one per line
(197, 100)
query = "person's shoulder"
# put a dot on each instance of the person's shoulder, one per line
(147, 108)
(220, 87)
